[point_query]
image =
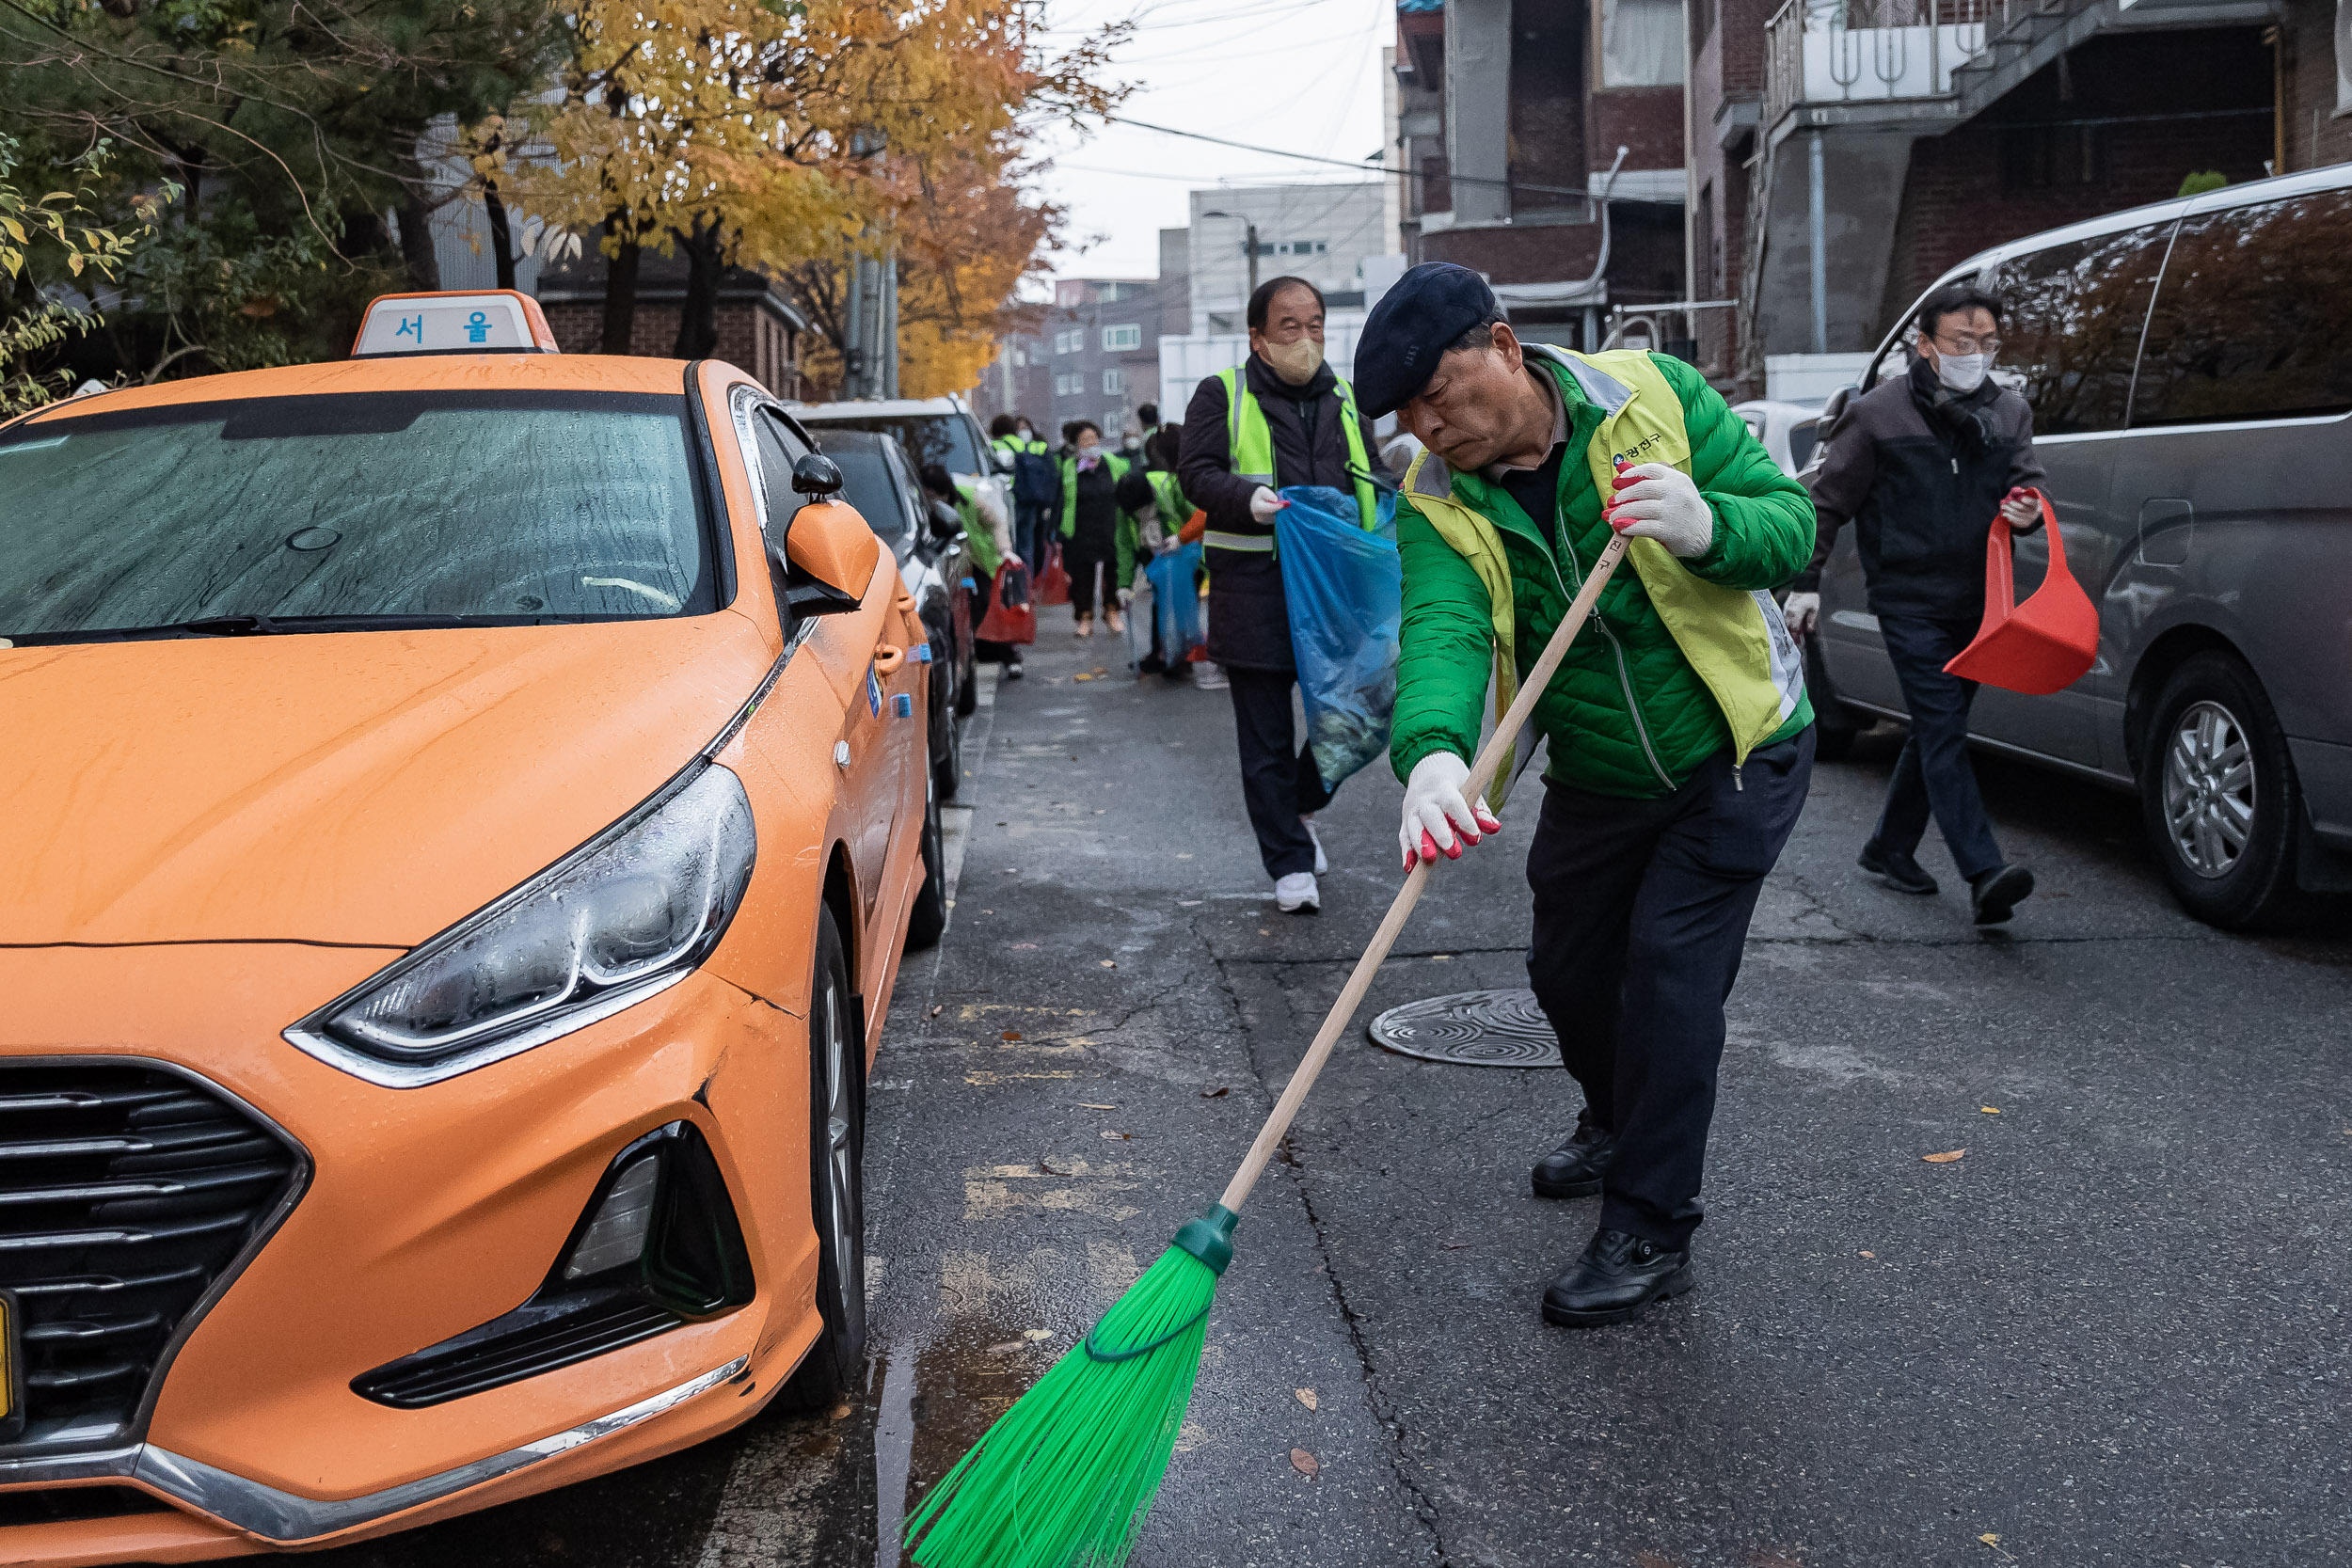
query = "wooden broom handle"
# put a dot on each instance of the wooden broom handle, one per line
(1352, 996)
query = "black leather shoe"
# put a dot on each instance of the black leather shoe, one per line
(1617, 1277)
(1993, 894)
(1573, 1169)
(1898, 869)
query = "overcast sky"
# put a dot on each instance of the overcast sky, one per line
(1300, 76)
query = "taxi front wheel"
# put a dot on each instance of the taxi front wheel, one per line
(836, 1185)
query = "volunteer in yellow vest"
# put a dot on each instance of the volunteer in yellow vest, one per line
(1280, 420)
(988, 542)
(1680, 739)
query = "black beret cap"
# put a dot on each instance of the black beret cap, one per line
(1411, 327)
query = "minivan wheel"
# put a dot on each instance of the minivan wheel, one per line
(928, 922)
(836, 1182)
(2219, 796)
(1834, 724)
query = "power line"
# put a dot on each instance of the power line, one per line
(1366, 168)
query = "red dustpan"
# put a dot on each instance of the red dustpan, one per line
(2038, 647)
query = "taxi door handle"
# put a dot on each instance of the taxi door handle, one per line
(887, 657)
(906, 604)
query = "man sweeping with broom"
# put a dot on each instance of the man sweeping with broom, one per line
(1680, 738)
(1643, 892)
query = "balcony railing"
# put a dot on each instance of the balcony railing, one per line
(1881, 51)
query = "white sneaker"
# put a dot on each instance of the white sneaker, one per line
(1295, 893)
(1207, 676)
(1323, 861)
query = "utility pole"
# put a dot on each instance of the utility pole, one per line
(1252, 244)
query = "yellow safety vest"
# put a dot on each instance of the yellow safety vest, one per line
(1733, 640)
(1252, 447)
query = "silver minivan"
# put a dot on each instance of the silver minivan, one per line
(2190, 370)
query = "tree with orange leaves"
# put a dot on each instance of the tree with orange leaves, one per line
(787, 135)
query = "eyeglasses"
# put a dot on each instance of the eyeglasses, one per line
(1968, 346)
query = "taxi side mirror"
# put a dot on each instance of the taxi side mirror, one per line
(830, 555)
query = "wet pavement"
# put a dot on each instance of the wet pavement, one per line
(2111, 1332)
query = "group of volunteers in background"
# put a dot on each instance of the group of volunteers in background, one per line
(1677, 731)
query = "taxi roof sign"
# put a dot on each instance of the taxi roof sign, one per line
(478, 321)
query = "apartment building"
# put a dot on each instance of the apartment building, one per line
(1094, 354)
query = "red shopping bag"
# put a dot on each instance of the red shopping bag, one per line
(1010, 618)
(2038, 647)
(1053, 586)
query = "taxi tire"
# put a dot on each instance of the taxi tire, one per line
(833, 1368)
(927, 921)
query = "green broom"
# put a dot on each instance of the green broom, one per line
(1064, 1478)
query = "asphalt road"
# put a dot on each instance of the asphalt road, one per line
(2113, 1332)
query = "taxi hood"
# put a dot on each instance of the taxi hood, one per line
(348, 787)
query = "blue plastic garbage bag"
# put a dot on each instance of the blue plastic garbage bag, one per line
(1346, 601)
(1176, 601)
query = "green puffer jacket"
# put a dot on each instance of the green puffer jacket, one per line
(1626, 715)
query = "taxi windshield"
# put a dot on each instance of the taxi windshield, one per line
(351, 510)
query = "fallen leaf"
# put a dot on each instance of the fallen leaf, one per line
(1051, 1171)
(1306, 1397)
(1123, 1137)
(1263, 931)
(839, 1411)
(1305, 1463)
(1990, 1539)
(1010, 1035)
(1943, 1159)
(1869, 1255)
(1110, 963)
(1217, 1093)
(1024, 947)
(1034, 1334)
(1440, 958)
(1188, 903)
(939, 1007)
(1090, 1106)
(1990, 1110)
(1080, 678)
(1005, 1348)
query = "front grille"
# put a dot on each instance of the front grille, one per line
(125, 1191)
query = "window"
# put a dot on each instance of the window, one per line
(2073, 325)
(1114, 380)
(1113, 424)
(1116, 337)
(2252, 317)
(946, 439)
(1071, 341)
(1069, 384)
(1640, 43)
(1020, 358)
(512, 506)
(1298, 248)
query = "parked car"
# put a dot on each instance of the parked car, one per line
(1787, 429)
(933, 430)
(465, 809)
(877, 479)
(2190, 370)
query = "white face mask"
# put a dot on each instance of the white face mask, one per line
(1963, 372)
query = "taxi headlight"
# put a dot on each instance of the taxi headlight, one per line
(627, 914)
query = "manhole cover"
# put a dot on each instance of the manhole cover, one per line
(1474, 1028)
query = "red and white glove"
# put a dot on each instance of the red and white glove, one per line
(2022, 510)
(1264, 503)
(1436, 811)
(1655, 500)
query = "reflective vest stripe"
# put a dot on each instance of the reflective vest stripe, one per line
(1252, 443)
(1262, 542)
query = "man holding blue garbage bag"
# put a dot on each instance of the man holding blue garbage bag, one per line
(1280, 419)
(1679, 736)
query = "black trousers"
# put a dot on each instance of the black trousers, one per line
(1642, 909)
(1934, 773)
(1279, 781)
(1081, 553)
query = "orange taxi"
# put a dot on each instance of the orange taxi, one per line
(463, 810)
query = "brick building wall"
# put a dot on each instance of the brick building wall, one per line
(1548, 102)
(749, 338)
(2072, 145)
(1726, 83)
(1647, 120)
(2311, 132)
